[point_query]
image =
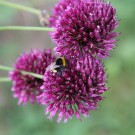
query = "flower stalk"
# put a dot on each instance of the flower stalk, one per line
(23, 72)
(4, 79)
(25, 28)
(20, 7)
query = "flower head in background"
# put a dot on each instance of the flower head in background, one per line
(26, 87)
(75, 92)
(86, 26)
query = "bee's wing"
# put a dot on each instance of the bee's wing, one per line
(52, 66)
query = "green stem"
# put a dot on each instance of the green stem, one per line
(20, 7)
(4, 79)
(23, 72)
(32, 74)
(3, 28)
(5, 68)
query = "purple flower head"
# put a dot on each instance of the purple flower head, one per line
(26, 87)
(75, 92)
(86, 26)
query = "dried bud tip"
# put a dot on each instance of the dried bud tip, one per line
(44, 18)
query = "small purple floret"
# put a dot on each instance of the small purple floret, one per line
(58, 10)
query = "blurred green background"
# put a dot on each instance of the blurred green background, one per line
(116, 116)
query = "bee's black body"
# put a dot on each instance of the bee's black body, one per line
(60, 64)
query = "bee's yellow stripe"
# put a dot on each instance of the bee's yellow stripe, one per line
(64, 61)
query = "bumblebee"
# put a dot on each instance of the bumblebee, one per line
(59, 65)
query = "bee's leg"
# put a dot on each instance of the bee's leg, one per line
(59, 72)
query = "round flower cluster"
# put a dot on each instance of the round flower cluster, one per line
(86, 26)
(75, 92)
(26, 87)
